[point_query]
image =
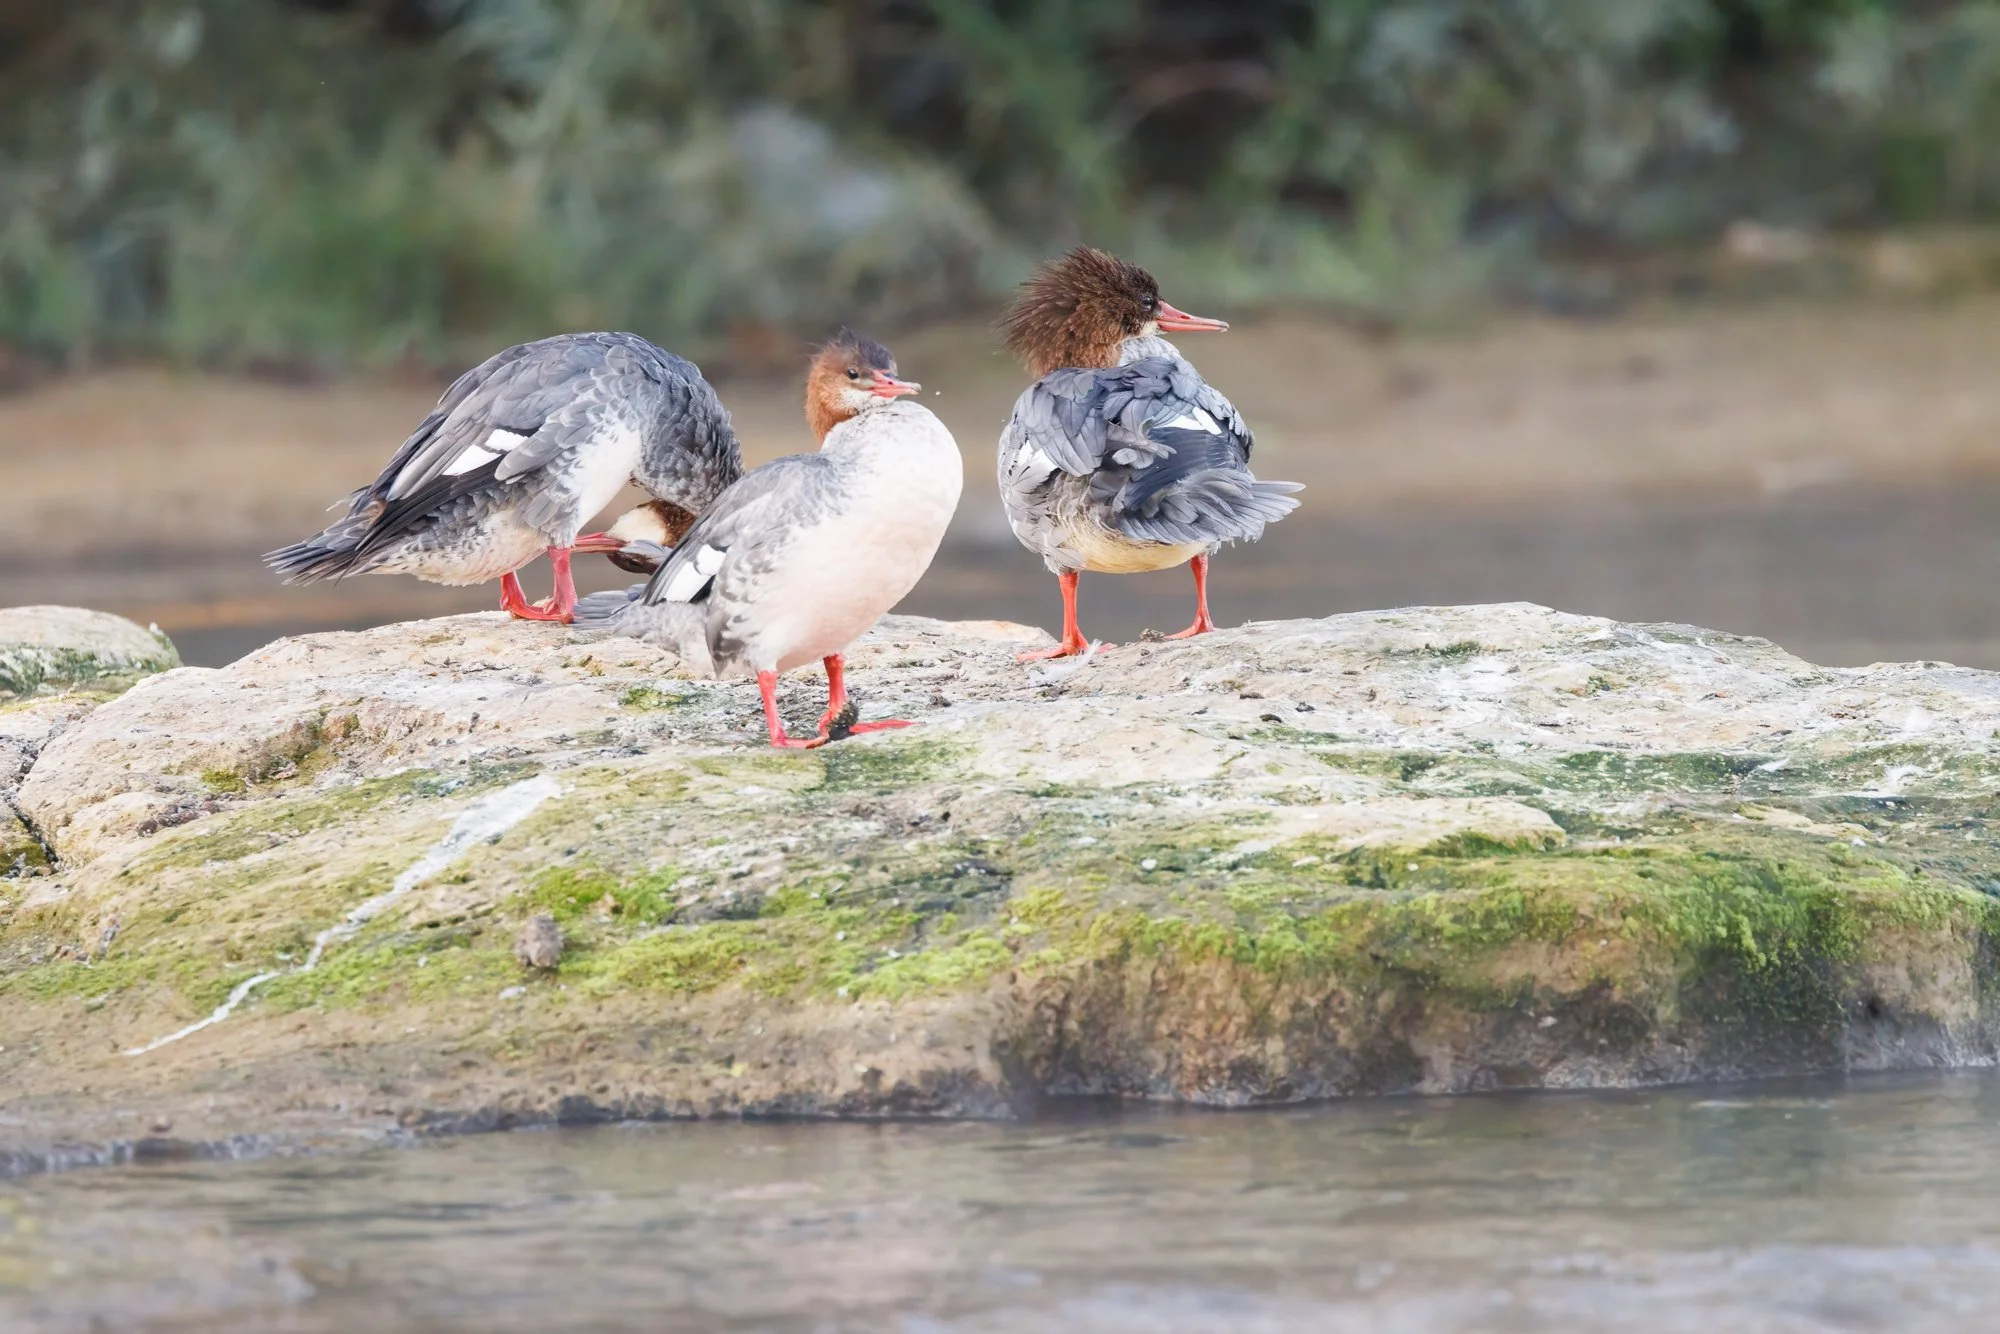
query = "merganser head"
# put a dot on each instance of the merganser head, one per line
(660, 522)
(849, 376)
(1080, 309)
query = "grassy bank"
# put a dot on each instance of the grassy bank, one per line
(260, 182)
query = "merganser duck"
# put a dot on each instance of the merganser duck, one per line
(518, 454)
(801, 556)
(1120, 458)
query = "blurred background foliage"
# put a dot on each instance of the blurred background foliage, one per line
(353, 182)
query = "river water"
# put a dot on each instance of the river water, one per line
(1858, 1205)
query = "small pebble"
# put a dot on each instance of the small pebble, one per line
(508, 993)
(540, 944)
(1150, 864)
(1546, 1021)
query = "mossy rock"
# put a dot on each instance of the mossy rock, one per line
(21, 853)
(1302, 860)
(45, 649)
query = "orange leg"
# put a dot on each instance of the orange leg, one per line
(836, 692)
(561, 607)
(767, 686)
(512, 599)
(1202, 625)
(1073, 641)
(836, 698)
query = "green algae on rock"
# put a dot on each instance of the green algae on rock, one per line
(56, 664)
(1434, 849)
(45, 649)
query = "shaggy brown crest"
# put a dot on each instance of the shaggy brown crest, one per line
(849, 361)
(1076, 311)
(674, 520)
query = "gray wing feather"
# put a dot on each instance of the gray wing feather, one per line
(1161, 454)
(721, 563)
(744, 530)
(556, 397)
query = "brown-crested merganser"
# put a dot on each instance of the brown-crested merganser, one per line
(799, 558)
(518, 455)
(1120, 458)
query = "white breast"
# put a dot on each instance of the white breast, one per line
(903, 474)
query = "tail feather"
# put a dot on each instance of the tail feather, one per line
(679, 627)
(342, 549)
(605, 611)
(1215, 505)
(313, 560)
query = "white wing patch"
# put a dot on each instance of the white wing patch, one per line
(474, 456)
(1197, 420)
(1030, 457)
(691, 578)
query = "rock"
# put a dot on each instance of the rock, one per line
(50, 648)
(28, 725)
(56, 665)
(467, 693)
(540, 944)
(1427, 850)
(21, 853)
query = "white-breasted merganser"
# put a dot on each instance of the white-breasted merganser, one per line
(798, 559)
(518, 455)
(1120, 458)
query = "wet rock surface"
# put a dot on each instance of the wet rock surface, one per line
(1430, 849)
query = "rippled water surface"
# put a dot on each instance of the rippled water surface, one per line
(1864, 1205)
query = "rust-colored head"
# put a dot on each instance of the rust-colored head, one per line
(850, 375)
(1078, 310)
(657, 521)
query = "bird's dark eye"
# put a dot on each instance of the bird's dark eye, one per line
(1152, 304)
(853, 374)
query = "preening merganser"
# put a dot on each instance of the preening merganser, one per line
(799, 558)
(642, 537)
(518, 455)
(1120, 458)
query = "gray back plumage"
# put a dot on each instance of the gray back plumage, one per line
(549, 402)
(1148, 450)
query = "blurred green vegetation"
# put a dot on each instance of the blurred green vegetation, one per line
(341, 182)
